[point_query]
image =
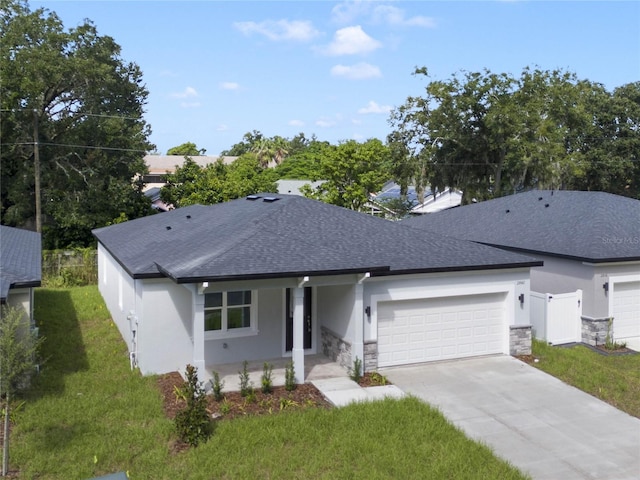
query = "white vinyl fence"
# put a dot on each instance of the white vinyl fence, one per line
(556, 318)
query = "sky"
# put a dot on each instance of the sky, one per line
(216, 70)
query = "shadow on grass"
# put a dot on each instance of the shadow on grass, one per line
(63, 351)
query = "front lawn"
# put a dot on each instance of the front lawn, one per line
(87, 414)
(614, 379)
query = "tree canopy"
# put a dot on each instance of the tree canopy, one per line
(494, 134)
(187, 149)
(73, 133)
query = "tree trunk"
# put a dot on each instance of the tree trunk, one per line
(36, 172)
(5, 443)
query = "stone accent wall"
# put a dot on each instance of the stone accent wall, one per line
(520, 339)
(336, 348)
(370, 356)
(594, 330)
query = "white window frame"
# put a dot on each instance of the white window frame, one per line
(225, 332)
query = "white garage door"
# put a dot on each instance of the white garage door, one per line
(413, 331)
(626, 311)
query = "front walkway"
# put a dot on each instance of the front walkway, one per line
(538, 423)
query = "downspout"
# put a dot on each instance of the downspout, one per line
(358, 341)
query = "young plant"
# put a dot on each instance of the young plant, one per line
(289, 377)
(225, 407)
(193, 423)
(378, 379)
(217, 386)
(246, 386)
(355, 373)
(267, 378)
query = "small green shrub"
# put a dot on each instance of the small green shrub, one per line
(355, 373)
(609, 342)
(225, 407)
(193, 424)
(217, 386)
(267, 378)
(378, 379)
(289, 377)
(246, 386)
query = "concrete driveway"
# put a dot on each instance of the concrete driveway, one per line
(538, 423)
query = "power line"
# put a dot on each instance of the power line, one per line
(99, 115)
(75, 146)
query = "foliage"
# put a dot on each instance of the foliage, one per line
(246, 386)
(69, 267)
(494, 134)
(187, 149)
(306, 162)
(378, 379)
(71, 90)
(193, 424)
(355, 372)
(19, 347)
(352, 172)
(267, 378)
(192, 184)
(289, 377)
(609, 342)
(216, 386)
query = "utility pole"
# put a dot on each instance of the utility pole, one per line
(36, 171)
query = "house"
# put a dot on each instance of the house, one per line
(160, 165)
(292, 187)
(434, 201)
(274, 276)
(20, 268)
(588, 241)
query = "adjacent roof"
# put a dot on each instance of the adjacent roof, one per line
(20, 259)
(589, 226)
(293, 187)
(434, 201)
(167, 163)
(275, 235)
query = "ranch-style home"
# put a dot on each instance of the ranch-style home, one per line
(20, 268)
(274, 276)
(589, 243)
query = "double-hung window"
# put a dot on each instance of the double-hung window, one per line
(230, 313)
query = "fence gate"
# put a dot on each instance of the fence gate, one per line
(556, 318)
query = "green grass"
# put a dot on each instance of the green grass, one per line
(614, 379)
(87, 414)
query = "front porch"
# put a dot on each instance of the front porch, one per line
(316, 367)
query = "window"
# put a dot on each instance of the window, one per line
(229, 313)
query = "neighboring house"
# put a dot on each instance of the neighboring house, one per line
(20, 268)
(292, 187)
(153, 194)
(433, 201)
(588, 241)
(160, 165)
(271, 276)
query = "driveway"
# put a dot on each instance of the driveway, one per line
(538, 423)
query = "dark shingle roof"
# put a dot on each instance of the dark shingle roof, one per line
(588, 226)
(291, 236)
(20, 259)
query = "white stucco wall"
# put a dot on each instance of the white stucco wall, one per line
(337, 309)
(22, 298)
(510, 282)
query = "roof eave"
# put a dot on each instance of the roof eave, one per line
(497, 266)
(562, 255)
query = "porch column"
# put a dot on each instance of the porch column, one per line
(357, 348)
(198, 334)
(297, 353)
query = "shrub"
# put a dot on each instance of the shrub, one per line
(193, 424)
(355, 373)
(217, 386)
(267, 378)
(246, 387)
(289, 377)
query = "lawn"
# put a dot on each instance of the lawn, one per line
(87, 414)
(613, 379)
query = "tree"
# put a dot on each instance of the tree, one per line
(187, 150)
(352, 172)
(18, 349)
(193, 423)
(305, 163)
(73, 133)
(493, 134)
(192, 184)
(248, 142)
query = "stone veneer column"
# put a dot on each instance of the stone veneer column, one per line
(520, 339)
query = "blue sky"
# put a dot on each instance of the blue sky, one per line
(218, 69)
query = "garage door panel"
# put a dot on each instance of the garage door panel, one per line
(440, 329)
(626, 310)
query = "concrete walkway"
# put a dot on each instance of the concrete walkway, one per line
(341, 391)
(538, 423)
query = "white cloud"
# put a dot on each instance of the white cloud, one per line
(350, 41)
(229, 86)
(359, 71)
(188, 92)
(348, 11)
(396, 16)
(222, 128)
(324, 123)
(373, 107)
(296, 123)
(279, 30)
(190, 104)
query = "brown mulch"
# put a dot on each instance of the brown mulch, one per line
(373, 379)
(526, 358)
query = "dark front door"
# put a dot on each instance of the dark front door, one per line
(308, 323)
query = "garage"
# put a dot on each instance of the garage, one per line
(626, 312)
(424, 330)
